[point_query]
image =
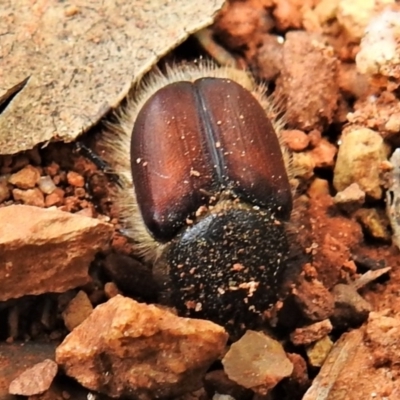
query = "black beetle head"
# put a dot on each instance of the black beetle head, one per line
(228, 266)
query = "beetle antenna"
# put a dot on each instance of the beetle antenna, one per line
(99, 162)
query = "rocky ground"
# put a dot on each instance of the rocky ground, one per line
(333, 69)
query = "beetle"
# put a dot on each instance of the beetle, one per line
(206, 191)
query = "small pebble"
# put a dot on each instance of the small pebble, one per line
(26, 178)
(77, 310)
(295, 139)
(314, 300)
(71, 204)
(303, 165)
(393, 124)
(298, 381)
(314, 137)
(375, 223)
(257, 362)
(56, 198)
(63, 176)
(324, 154)
(30, 197)
(52, 169)
(351, 309)
(57, 179)
(350, 267)
(311, 333)
(318, 351)
(379, 49)
(35, 380)
(350, 199)
(46, 184)
(111, 290)
(318, 187)
(75, 179)
(80, 192)
(359, 160)
(70, 11)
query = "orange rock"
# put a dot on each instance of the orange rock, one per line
(35, 380)
(314, 300)
(26, 178)
(311, 333)
(296, 140)
(75, 179)
(257, 362)
(17, 358)
(56, 198)
(46, 250)
(111, 290)
(350, 199)
(324, 154)
(151, 352)
(77, 310)
(30, 197)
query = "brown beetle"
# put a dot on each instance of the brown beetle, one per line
(207, 194)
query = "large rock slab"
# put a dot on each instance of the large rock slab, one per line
(64, 65)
